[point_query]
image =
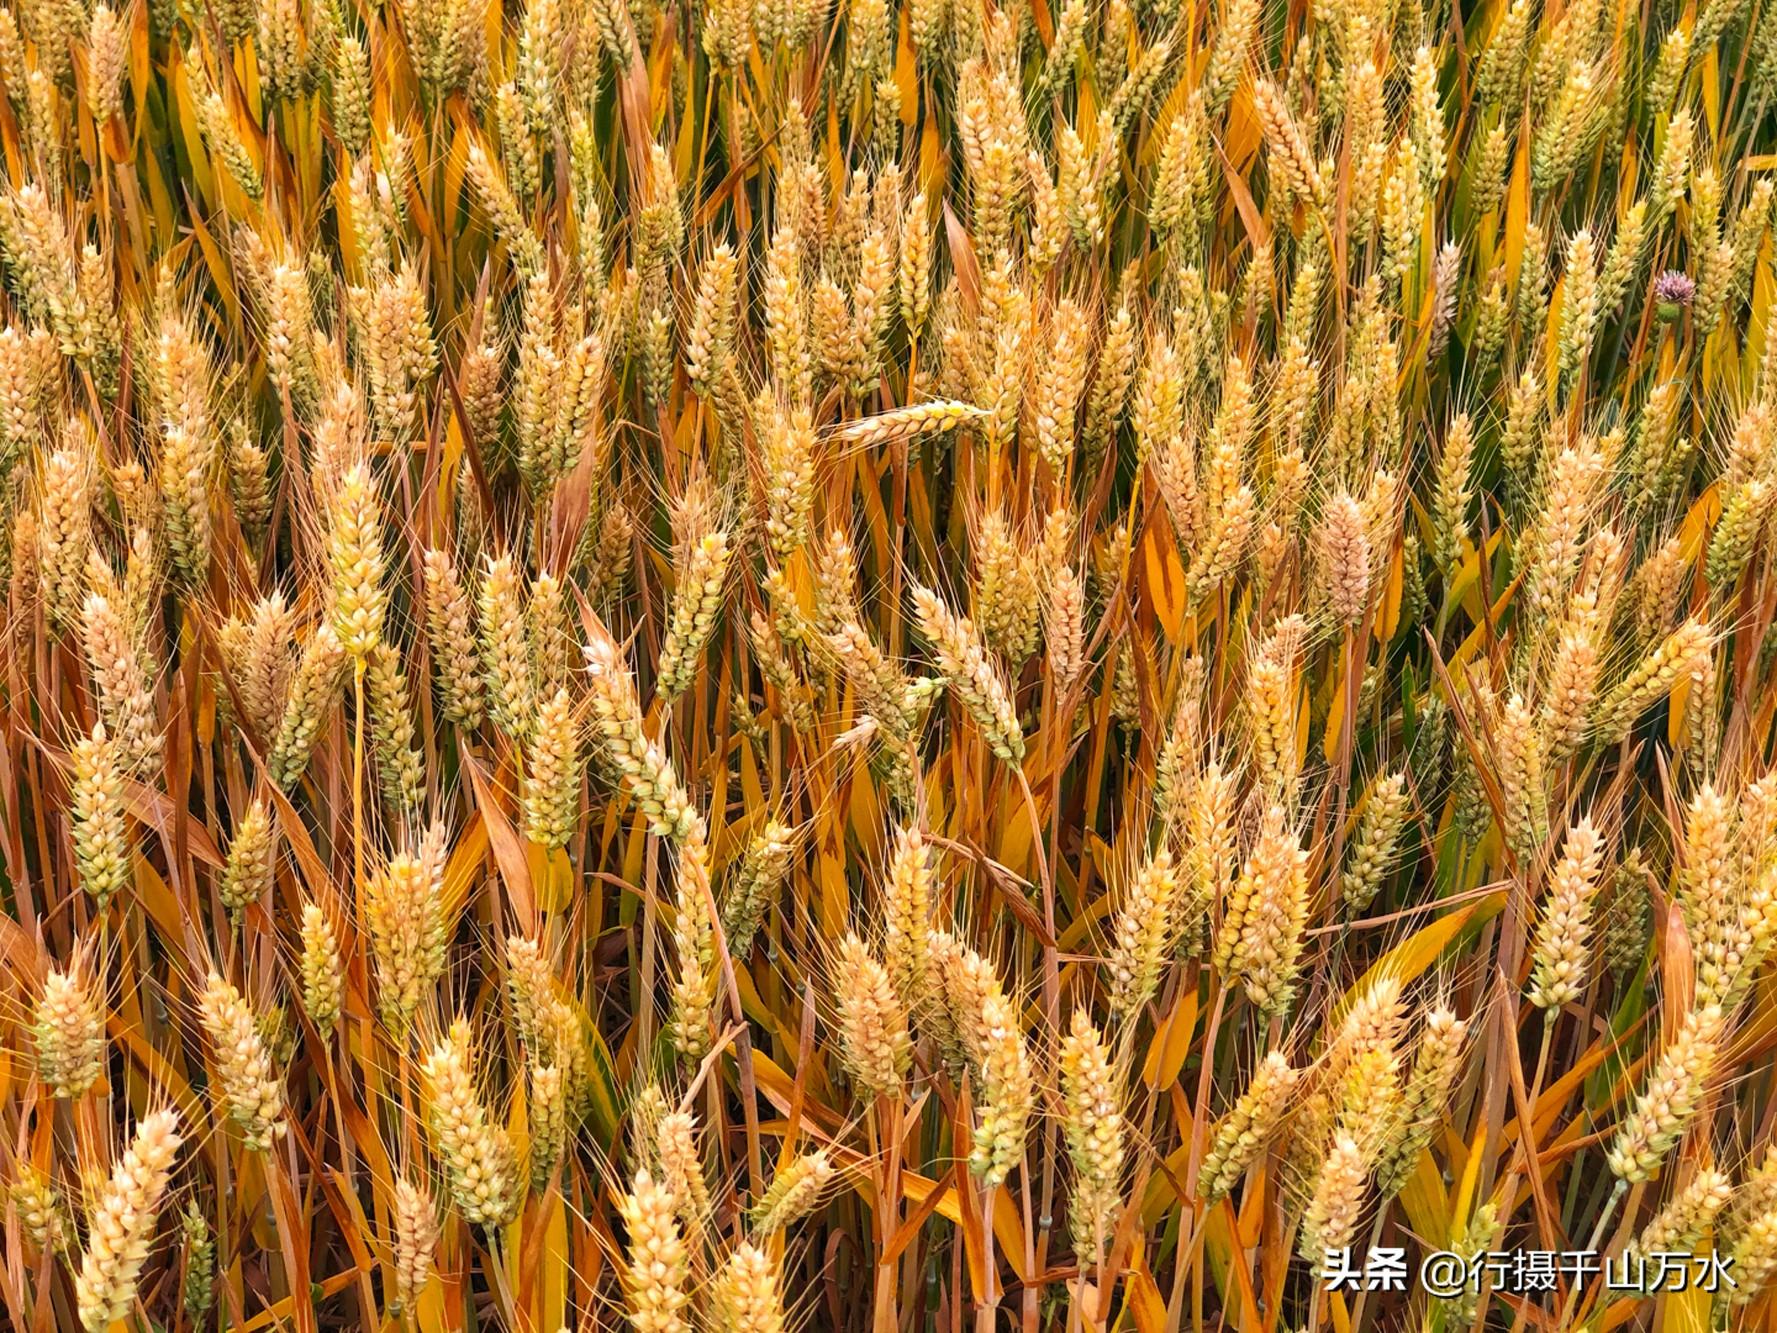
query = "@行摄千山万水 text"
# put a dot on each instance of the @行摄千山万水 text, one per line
(1452, 1273)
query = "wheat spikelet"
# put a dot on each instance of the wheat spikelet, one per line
(1143, 934)
(1670, 1098)
(756, 884)
(530, 983)
(1650, 679)
(644, 772)
(1208, 859)
(1261, 935)
(1006, 599)
(1755, 1196)
(655, 1276)
(67, 1027)
(552, 637)
(1573, 675)
(476, 1153)
(120, 1228)
(1580, 302)
(788, 458)
(793, 1192)
(1710, 892)
(1437, 1064)
(746, 1298)
(319, 677)
(907, 423)
(1680, 1225)
(1373, 850)
(913, 282)
(681, 1167)
(1007, 1091)
(1061, 379)
(64, 527)
(1332, 1215)
(547, 1107)
(552, 773)
(452, 640)
(106, 64)
(1289, 152)
(1563, 936)
(1224, 546)
(502, 209)
(124, 699)
(198, 1289)
(355, 552)
(252, 860)
(697, 599)
(907, 912)
(395, 333)
(40, 1209)
(243, 1066)
(1271, 705)
(102, 848)
(1754, 1258)
(319, 970)
(258, 652)
(968, 671)
(872, 1020)
(416, 1237)
(694, 989)
(1092, 1095)
(1742, 519)
(404, 917)
(1345, 556)
(1518, 744)
(187, 459)
(505, 648)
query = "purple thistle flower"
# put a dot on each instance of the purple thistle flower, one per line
(1673, 291)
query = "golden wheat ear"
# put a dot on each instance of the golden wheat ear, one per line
(121, 1226)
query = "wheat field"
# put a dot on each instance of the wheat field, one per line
(760, 665)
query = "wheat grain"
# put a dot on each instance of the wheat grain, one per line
(475, 1151)
(120, 1228)
(654, 1278)
(67, 1026)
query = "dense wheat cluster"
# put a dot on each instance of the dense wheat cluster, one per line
(774, 664)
